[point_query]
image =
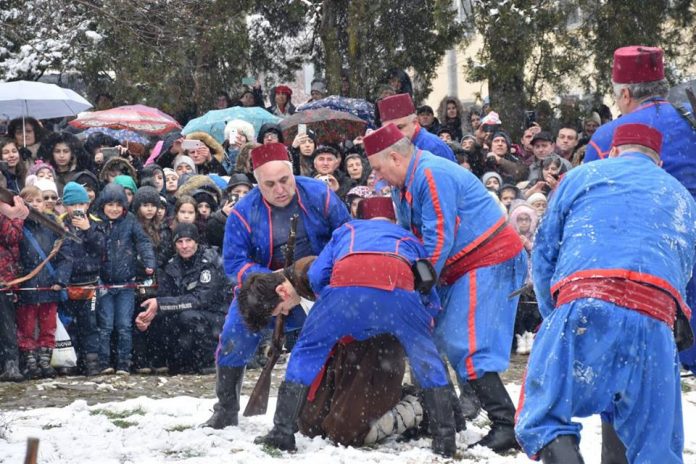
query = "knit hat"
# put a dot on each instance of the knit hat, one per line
(468, 136)
(318, 85)
(150, 170)
(183, 159)
(39, 165)
(490, 174)
(74, 193)
(126, 182)
(284, 89)
(46, 185)
(504, 135)
(185, 230)
(242, 127)
(170, 172)
(536, 197)
(144, 195)
(594, 116)
(636, 64)
(204, 196)
(87, 179)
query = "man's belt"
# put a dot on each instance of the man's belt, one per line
(501, 245)
(384, 271)
(643, 298)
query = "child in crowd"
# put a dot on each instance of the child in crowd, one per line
(539, 202)
(207, 204)
(153, 175)
(128, 185)
(171, 181)
(185, 210)
(492, 181)
(39, 307)
(125, 240)
(49, 193)
(81, 303)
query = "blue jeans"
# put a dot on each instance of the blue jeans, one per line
(115, 312)
(83, 326)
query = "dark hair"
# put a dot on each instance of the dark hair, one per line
(16, 126)
(553, 160)
(21, 169)
(326, 149)
(98, 140)
(257, 299)
(79, 158)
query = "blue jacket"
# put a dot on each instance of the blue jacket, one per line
(678, 142)
(125, 240)
(362, 236)
(624, 217)
(30, 258)
(432, 143)
(248, 247)
(87, 254)
(447, 207)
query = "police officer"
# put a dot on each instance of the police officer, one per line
(192, 299)
(256, 234)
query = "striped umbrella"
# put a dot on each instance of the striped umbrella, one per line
(139, 118)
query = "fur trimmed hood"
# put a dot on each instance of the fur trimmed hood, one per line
(199, 182)
(120, 164)
(215, 148)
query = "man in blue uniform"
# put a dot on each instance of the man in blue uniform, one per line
(640, 88)
(610, 264)
(479, 260)
(255, 236)
(399, 110)
(366, 287)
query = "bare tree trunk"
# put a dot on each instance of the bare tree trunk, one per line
(328, 32)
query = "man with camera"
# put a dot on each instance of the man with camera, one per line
(368, 284)
(501, 160)
(256, 233)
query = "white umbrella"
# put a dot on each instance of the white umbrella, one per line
(39, 100)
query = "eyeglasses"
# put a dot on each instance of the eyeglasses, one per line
(50, 198)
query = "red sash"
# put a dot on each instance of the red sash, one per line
(375, 270)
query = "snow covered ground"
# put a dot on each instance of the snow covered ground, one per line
(145, 430)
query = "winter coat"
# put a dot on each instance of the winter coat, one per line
(87, 254)
(125, 240)
(30, 259)
(10, 237)
(248, 243)
(165, 158)
(198, 283)
(215, 228)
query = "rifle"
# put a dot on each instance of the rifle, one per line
(258, 401)
(8, 197)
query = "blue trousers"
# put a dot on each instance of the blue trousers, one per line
(363, 312)
(238, 344)
(115, 312)
(688, 356)
(475, 329)
(83, 325)
(591, 356)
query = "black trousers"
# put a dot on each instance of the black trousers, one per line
(8, 329)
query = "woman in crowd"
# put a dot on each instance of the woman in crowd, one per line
(13, 168)
(27, 133)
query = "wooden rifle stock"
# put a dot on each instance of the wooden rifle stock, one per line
(258, 401)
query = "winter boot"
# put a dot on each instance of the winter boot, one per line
(497, 403)
(11, 372)
(228, 387)
(45, 363)
(470, 404)
(92, 364)
(30, 369)
(291, 398)
(438, 404)
(613, 449)
(563, 449)
(407, 414)
(459, 418)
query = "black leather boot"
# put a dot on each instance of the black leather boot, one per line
(291, 398)
(459, 418)
(45, 363)
(11, 372)
(501, 411)
(91, 364)
(438, 404)
(470, 404)
(613, 449)
(228, 387)
(563, 449)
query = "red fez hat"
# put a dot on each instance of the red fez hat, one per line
(269, 152)
(638, 134)
(381, 139)
(638, 64)
(373, 207)
(395, 107)
(284, 89)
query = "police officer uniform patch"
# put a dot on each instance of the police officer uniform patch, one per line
(205, 276)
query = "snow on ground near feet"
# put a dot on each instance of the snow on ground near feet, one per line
(145, 430)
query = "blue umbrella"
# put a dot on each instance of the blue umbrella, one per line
(355, 106)
(122, 135)
(213, 122)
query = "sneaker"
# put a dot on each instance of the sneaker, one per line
(122, 372)
(529, 338)
(107, 371)
(521, 344)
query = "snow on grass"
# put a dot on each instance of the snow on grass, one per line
(145, 430)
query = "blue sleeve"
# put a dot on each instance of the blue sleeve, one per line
(319, 273)
(237, 249)
(437, 197)
(547, 244)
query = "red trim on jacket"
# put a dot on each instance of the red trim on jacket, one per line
(471, 327)
(440, 217)
(241, 218)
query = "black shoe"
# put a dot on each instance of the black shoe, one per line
(501, 411)
(438, 404)
(228, 386)
(45, 363)
(91, 364)
(291, 398)
(563, 449)
(613, 449)
(470, 404)
(30, 368)
(11, 372)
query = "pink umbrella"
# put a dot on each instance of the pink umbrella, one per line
(138, 118)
